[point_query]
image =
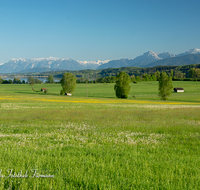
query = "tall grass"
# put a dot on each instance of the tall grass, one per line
(101, 145)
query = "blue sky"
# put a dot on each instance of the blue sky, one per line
(90, 30)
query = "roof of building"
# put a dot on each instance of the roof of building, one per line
(178, 89)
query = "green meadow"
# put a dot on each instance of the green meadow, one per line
(93, 140)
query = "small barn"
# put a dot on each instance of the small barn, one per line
(68, 94)
(178, 90)
(43, 89)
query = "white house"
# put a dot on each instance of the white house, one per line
(178, 90)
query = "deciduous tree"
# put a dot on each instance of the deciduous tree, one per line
(192, 73)
(179, 75)
(17, 81)
(50, 79)
(68, 83)
(122, 86)
(1, 80)
(197, 73)
(165, 86)
(31, 81)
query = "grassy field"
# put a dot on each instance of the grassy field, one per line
(99, 142)
(139, 91)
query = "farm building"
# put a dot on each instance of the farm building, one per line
(43, 89)
(178, 90)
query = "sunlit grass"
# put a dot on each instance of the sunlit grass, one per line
(140, 91)
(98, 143)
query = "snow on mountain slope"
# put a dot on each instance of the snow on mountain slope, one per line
(145, 59)
(19, 64)
(191, 51)
(93, 62)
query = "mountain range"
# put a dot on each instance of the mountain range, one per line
(151, 59)
(148, 59)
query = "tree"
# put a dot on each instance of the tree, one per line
(145, 77)
(1, 80)
(17, 81)
(132, 78)
(122, 86)
(37, 81)
(10, 81)
(31, 81)
(197, 73)
(153, 77)
(165, 86)
(137, 78)
(172, 73)
(179, 75)
(68, 83)
(50, 79)
(192, 73)
(157, 73)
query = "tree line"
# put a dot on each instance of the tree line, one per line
(180, 72)
(193, 75)
(18, 81)
(30, 78)
(137, 74)
(122, 85)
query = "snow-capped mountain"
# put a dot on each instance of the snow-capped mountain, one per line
(53, 63)
(191, 51)
(140, 61)
(16, 65)
(93, 62)
(145, 59)
(148, 59)
(151, 56)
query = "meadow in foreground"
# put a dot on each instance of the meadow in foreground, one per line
(98, 143)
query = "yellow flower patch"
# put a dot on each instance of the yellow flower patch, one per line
(94, 101)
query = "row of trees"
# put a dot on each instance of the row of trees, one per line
(179, 72)
(19, 81)
(10, 81)
(122, 86)
(194, 74)
(176, 75)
